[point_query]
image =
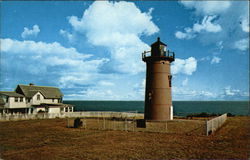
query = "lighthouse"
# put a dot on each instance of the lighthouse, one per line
(158, 98)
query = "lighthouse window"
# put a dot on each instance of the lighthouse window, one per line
(170, 80)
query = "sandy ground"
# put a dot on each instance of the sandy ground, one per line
(51, 139)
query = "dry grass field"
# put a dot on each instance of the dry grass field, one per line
(51, 139)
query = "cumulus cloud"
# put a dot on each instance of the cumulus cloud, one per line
(65, 66)
(207, 25)
(232, 19)
(30, 32)
(215, 60)
(184, 66)
(118, 27)
(66, 35)
(188, 34)
(207, 7)
(242, 44)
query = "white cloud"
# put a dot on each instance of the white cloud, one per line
(30, 32)
(207, 7)
(231, 16)
(233, 94)
(183, 93)
(66, 66)
(188, 35)
(32, 48)
(242, 44)
(99, 94)
(207, 25)
(185, 66)
(230, 92)
(117, 26)
(215, 60)
(207, 58)
(67, 35)
(245, 24)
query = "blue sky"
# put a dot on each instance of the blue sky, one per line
(92, 50)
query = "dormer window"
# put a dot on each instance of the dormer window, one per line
(38, 97)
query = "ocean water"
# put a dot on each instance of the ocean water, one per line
(181, 108)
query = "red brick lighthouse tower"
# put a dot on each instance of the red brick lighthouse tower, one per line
(158, 98)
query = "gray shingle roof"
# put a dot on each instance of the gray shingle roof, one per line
(11, 94)
(48, 92)
(1, 101)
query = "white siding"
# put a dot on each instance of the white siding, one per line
(42, 99)
(50, 101)
(54, 110)
(12, 104)
(35, 101)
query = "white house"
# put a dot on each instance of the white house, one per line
(33, 99)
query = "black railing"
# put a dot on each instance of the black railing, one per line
(166, 54)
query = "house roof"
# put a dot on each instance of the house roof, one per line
(1, 101)
(11, 94)
(48, 92)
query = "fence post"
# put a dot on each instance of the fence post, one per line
(133, 124)
(103, 123)
(125, 127)
(206, 127)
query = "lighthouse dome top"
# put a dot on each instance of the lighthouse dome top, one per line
(158, 43)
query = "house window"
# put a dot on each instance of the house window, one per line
(16, 99)
(66, 109)
(28, 100)
(52, 99)
(7, 99)
(38, 97)
(70, 109)
(21, 99)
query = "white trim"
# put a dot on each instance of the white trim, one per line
(171, 113)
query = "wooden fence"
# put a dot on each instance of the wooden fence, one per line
(9, 117)
(215, 123)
